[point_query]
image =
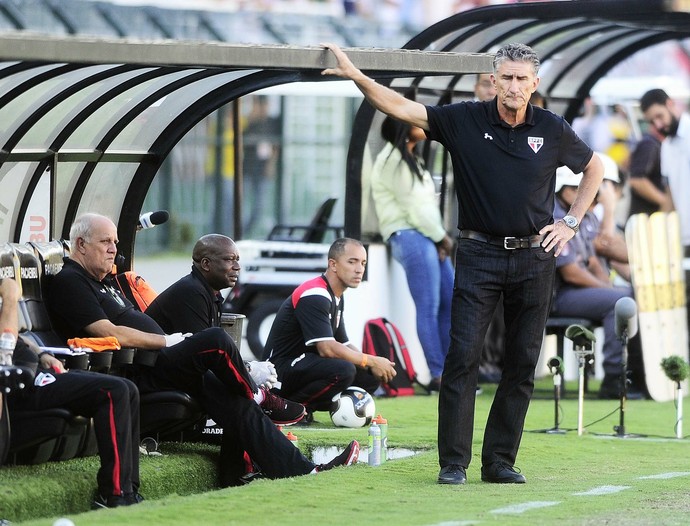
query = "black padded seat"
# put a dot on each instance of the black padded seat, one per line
(39, 436)
(49, 434)
(165, 414)
(314, 232)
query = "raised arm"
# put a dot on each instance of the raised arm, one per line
(381, 97)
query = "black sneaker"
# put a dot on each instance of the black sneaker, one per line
(346, 458)
(611, 389)
(251, 476)
(134, 498)
(111, 501)
(282, 412)
(307, 420)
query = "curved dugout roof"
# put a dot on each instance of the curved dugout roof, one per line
(578, 42)
(86, 123)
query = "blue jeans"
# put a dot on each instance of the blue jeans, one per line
(431, 285)
(482, 273)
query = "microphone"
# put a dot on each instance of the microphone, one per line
(151, 219)
(626, 317)
(556, 365)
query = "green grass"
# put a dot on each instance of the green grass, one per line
(560, 470)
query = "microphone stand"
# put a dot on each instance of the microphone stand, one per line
(557, 372)
(620, 428)
(583, 340)
(557, 381)
(581, 351)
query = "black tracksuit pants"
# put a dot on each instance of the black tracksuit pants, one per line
(182, 366)
(112, 402)
(208, 365)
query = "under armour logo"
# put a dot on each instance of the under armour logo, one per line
(487, 136)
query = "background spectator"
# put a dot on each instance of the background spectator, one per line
(410, 221)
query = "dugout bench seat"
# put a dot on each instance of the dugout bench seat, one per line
(57, 434)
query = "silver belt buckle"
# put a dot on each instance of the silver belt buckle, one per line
(506, 240)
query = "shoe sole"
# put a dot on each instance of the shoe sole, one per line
(504, 481)
(289, 422)
(452, 482)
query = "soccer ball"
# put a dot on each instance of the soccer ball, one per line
(354, 407)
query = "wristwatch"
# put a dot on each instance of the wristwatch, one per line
(572, 222)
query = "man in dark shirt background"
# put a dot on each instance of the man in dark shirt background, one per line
(648, 191)
(194, 302)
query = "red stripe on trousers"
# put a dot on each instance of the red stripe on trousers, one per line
(117, 489)
(247, 388)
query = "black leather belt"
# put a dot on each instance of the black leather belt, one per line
(509, 243)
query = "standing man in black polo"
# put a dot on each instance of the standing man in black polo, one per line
(505, 153)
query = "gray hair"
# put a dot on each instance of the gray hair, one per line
(82, 226)
(517, 53)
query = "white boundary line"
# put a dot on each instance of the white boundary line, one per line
(601, 490)
(525, 506)
(516, 509)
(670, 475)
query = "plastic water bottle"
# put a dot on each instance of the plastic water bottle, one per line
(7, 343)
(383, 426)
(374, 444)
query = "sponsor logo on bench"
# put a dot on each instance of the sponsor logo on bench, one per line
(50, 269)
(29, 272)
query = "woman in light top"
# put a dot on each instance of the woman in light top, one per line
(410, 221)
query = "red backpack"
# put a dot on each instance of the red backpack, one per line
(382, 338)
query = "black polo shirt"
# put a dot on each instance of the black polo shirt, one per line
(505, 177)
(75, 300)
(188, 305)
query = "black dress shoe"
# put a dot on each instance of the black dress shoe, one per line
(434, 385)
(611, 390)
(501, 473)
(452, 474)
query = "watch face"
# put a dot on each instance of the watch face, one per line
(571, 222)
